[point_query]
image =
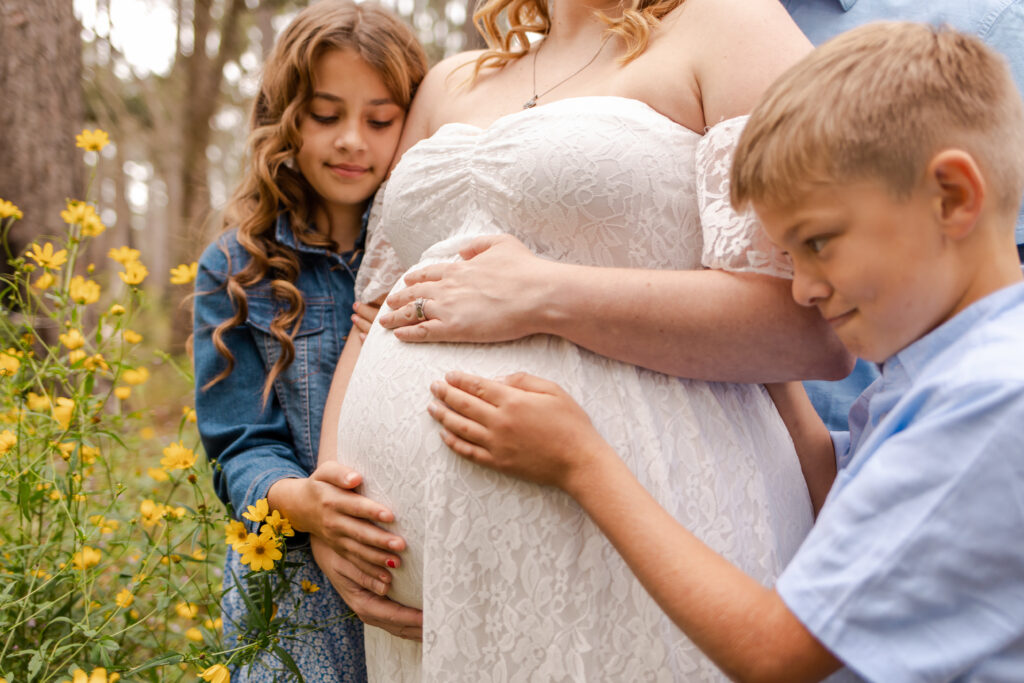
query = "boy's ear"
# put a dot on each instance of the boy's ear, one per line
(960, 189)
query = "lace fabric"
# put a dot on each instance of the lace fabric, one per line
(516, 583)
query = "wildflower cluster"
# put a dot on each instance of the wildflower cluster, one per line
(109, 562)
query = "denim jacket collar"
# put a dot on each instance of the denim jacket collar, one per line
(348, 259)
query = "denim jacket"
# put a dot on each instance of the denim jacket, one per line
(254, 446)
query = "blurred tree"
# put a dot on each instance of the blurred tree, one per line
(41, 70)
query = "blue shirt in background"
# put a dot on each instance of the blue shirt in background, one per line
(914, 570)
(1000, 23)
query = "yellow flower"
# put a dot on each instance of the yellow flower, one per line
(189, 413)
(92, 141)
(84, 291)
(131, 336)
(8, 440)
(276, 524)
(75, 356)
(88, 454)
(218, 673)
(177, 457)
(85, 558)
(80, 213)
(44, 281)
(147, 433)
(135, 377)
(122, 392)
(124, 255)
(91, 227)
(8, 209)
(194, 634)
(152, 513)
(235, 534)
(177, 513)
(184, 273)
(46, 257)
(157, 474)
(257, 512)
(116, 309)
(134, 273)
(72, 339)
(187, 610)
(63, 411)
(99, 675)
(66, 449)
(9, 362)
(260, 552)
(124, 598)
(214, 624)
(96, 362)
(198, 555)
(38, 403)
(309, 586)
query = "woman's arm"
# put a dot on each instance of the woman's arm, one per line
(703, 324)
(529, 428)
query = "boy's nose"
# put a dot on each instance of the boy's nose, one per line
(808, 288)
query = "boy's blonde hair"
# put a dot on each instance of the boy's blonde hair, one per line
(877, 103)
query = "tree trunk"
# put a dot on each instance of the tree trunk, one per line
(42, 110)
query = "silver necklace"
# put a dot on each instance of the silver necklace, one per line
(532, 102)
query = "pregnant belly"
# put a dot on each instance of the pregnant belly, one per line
(385, 433)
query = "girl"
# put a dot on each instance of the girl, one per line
(274, 291)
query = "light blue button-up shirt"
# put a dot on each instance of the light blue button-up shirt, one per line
(915, 568)
(1000, 23)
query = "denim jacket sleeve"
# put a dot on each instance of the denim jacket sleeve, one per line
(250, 444)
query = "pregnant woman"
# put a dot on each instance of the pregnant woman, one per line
(601, 147)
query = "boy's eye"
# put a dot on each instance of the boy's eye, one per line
(816, 244)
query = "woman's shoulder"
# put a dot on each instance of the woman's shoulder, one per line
(223, 256)
(446, 82)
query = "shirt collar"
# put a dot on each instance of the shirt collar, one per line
(847, 4)
(284, 234)
(915, 357)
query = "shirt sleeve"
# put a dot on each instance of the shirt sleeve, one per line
(381, 267)
(249, 444)
(732, 241)
(915, 568)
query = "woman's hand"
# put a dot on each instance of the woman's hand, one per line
(327, 506)
(363, 318)
(523, 426)
(493, 295)
(399, 620)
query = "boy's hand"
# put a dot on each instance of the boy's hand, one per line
(524, 426)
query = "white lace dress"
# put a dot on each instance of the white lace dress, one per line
(516, 583)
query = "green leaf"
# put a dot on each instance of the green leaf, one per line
(162, 660)
(287, 660)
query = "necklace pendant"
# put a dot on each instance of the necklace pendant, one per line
(530, 103)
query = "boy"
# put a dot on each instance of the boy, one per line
(890, 165)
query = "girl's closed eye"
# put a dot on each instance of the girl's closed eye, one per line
(324, 118)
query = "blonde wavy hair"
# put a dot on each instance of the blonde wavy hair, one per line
(271, 183)
(634, 26)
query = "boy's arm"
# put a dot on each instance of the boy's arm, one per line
(811, 438)
(530, 428)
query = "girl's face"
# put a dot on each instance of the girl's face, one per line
(350, 131)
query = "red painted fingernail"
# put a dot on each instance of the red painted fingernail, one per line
(391, 563)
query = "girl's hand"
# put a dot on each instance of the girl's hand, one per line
(524, 426)
(372, 609)
(363, 318)
(327, 506)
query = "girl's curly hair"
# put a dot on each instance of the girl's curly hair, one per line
(634, 26)
(271, 184)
